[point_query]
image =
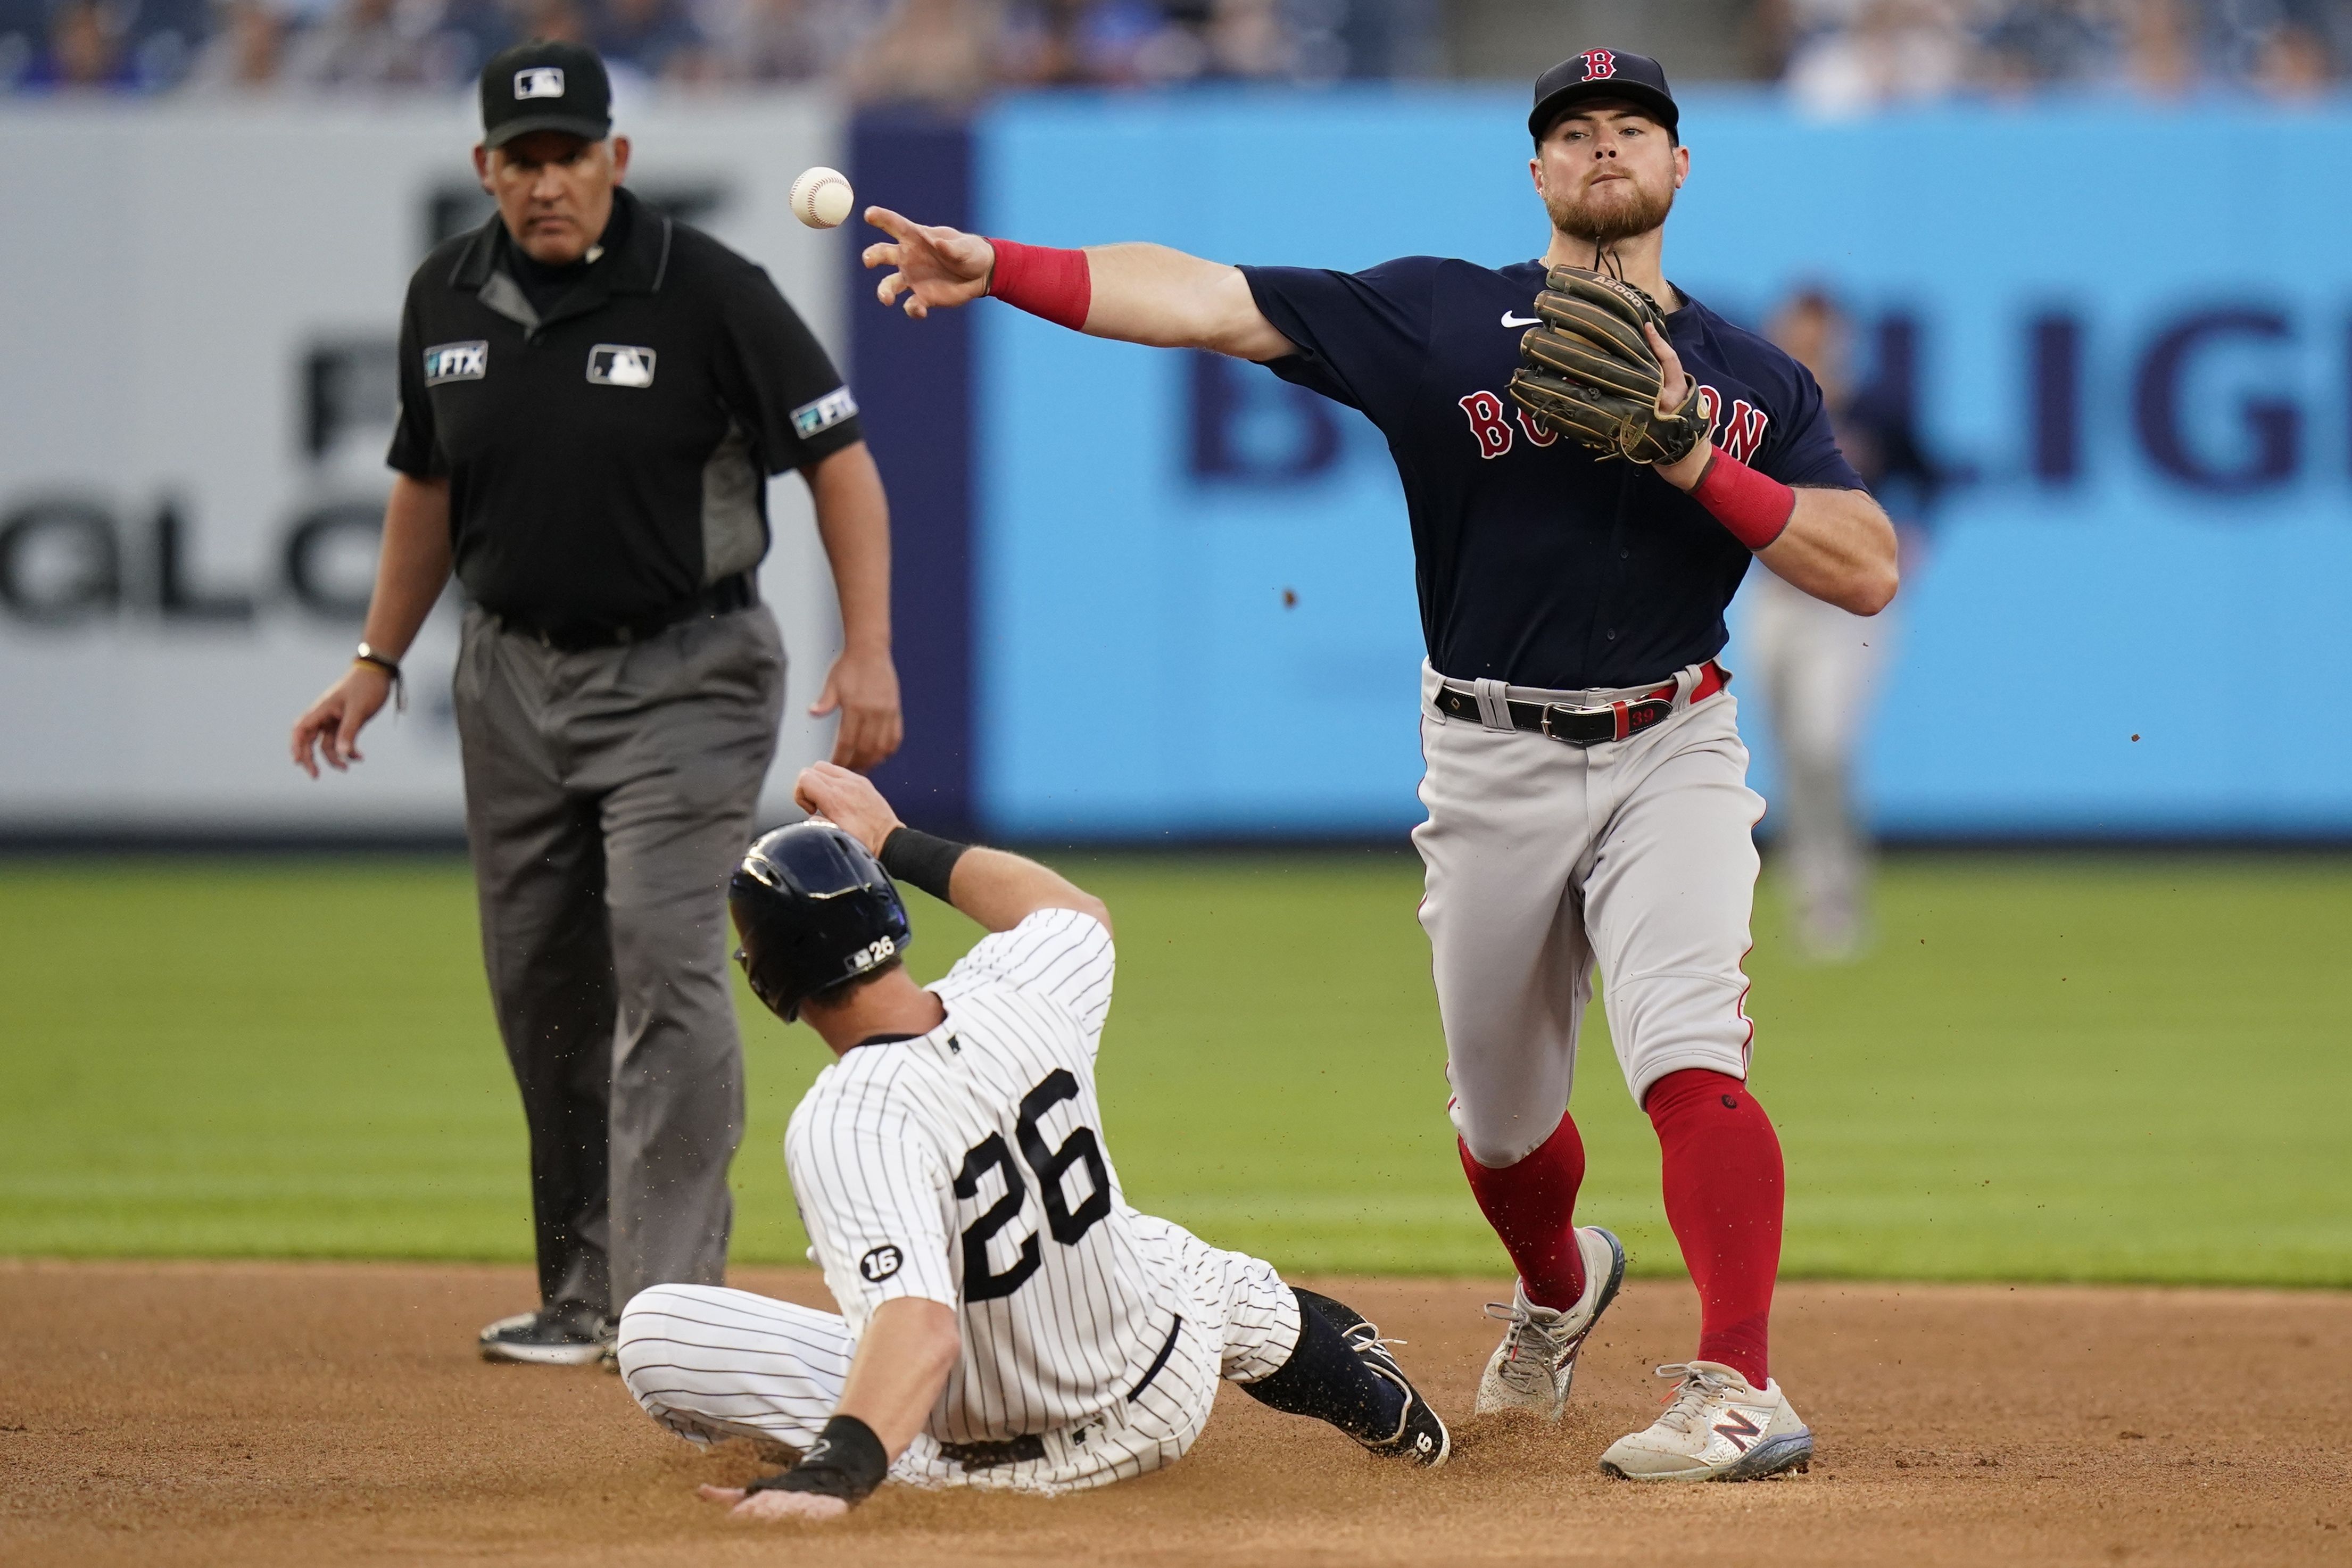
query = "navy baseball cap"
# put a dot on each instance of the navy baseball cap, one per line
(1603, 73)
(545, 86)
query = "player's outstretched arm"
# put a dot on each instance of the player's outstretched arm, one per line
(1144, 294)
(998, 889)
(903, 1361)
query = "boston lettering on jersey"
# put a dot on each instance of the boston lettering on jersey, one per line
(1539, 563)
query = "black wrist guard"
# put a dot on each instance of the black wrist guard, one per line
(920, 859)
(846, 1461)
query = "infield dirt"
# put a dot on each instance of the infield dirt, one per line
(270, 1414)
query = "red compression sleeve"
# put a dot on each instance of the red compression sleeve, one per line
(1755, 507)
(1724, 1190)
(1532, 1206)
(1054, 283)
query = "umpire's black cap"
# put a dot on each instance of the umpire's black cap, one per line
(545, 86)
(812, 908)
(1603, 73)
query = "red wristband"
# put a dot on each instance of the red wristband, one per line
(1754, 506)
(1054, 283)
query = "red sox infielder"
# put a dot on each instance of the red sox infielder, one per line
(1586, 785)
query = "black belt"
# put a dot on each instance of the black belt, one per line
(1587, 726)
(989, 1455)
(724, 597)
(1030, 1446)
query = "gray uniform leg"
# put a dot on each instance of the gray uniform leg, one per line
(1545, 860)
(685, 770)
(608, 794)
(538, 873)
(1820, 668)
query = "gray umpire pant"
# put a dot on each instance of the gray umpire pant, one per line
(609, 793)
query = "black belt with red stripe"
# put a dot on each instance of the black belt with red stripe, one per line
(1587, 726)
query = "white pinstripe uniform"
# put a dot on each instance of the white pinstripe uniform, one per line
(966, 1166)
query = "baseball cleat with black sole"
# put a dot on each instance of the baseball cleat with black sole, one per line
(1421, 1436)
(569, 1333)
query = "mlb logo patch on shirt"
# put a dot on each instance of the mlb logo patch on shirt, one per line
(540, 81)
(825, 413)
(457, 362)
(619, 365)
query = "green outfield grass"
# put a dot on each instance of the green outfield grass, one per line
(2070, 1068)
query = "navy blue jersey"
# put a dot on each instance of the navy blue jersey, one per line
(1537, 562)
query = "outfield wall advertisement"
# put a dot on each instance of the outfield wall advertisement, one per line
(199, 314)
(2127, 330)
(1190, 608)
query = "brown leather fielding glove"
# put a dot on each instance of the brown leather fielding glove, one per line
(1588, 373)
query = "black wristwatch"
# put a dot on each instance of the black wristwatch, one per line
(364, 654)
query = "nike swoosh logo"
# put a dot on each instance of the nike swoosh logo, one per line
(1511, 320)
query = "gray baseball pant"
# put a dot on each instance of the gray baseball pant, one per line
(1546, 860)
(609, 793)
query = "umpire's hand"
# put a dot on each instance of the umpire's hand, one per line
(333, 722)
(864, 686)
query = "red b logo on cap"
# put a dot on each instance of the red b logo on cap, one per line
(1600, 65)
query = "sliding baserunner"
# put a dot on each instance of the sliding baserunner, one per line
(1007, 1320)
(1587, 786)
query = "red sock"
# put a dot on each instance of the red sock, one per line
(1532, 1206)
(1723, 1188)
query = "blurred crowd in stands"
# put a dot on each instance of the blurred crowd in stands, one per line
(1836, 55)
(1844, 55)
(940, 50)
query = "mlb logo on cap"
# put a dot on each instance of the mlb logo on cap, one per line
(545, 86)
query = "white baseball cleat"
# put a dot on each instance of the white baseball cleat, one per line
(1532, 1368)
(1720, 1428)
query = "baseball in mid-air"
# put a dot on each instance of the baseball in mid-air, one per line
(822, 197)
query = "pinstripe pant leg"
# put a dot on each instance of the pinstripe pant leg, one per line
(1239, 1302)
(708, 1363)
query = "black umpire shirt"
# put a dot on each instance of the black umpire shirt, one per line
(1539, 563)
(607, 449)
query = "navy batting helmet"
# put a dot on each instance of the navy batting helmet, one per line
(812, 908)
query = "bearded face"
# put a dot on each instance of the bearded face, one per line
(1607, 173)
(1607, 209)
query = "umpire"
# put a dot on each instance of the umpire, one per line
(592, 398)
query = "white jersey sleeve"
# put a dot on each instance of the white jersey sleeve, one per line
(874, 1196)
(1062, 955)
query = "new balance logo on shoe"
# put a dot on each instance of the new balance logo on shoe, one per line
(1738, 1430)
